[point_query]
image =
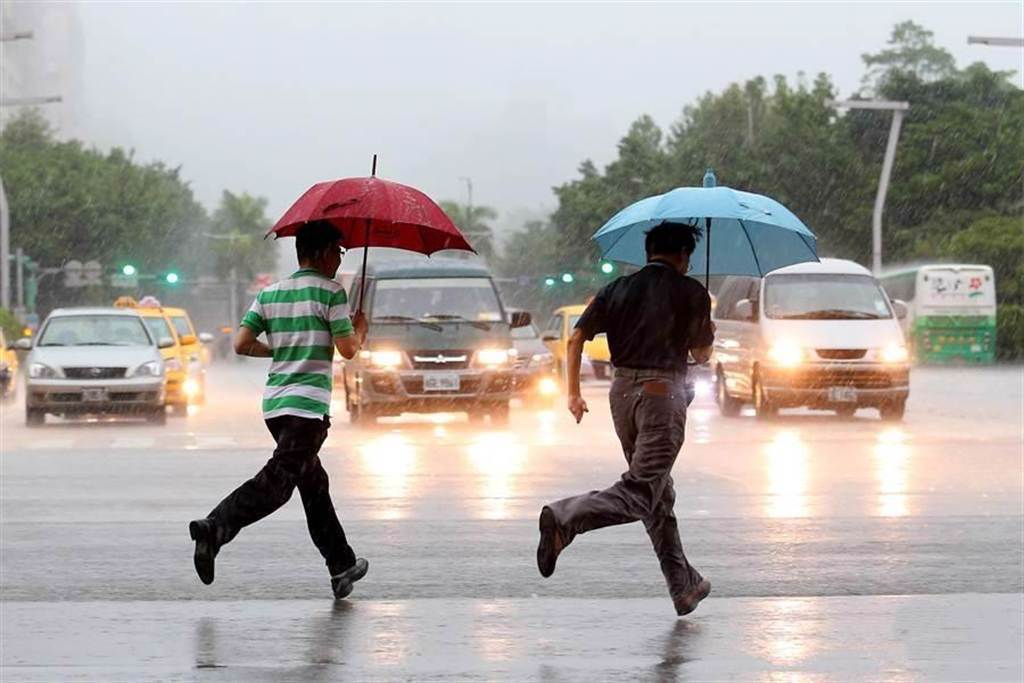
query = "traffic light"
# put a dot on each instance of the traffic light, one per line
(128, 270)
(607, 268)
(549, 282)
(567, 278)
(171, 278)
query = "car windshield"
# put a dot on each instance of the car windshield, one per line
(528, 332)
(436, 300)
(94, 330)
(159, 328)
(182, 326)
(823, 296)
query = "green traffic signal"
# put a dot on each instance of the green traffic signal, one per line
(128, 269)
(607, 268)
(171, 278)
(549, 282)
(567, 278)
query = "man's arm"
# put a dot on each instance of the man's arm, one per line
(350, 345)
(705, 336)
(573, 357)
(246, 343)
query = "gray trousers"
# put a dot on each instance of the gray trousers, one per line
(649, 413)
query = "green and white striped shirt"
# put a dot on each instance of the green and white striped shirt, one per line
(301, 317)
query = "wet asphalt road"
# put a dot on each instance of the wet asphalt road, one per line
(806, 506)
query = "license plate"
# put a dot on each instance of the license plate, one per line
(842, 394)
(441, 381)
(94, 394)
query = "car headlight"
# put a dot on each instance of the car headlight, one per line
(151, 368)
(494, 357)
(382, 359)
(895, 353)
(786, 354)
(542, 358)
(547, 387)
(41, 371)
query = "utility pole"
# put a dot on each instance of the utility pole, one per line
(897, 109)
(469, 198)
(5, 222)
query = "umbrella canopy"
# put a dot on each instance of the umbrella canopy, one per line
(370, 212)
(744, 233)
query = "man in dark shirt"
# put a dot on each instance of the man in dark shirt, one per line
(654, 319)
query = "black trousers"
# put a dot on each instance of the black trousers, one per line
(295, 464)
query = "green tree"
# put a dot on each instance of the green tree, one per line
(474, 223)
(69, 202)
(997, 241)
(911, 51)
(239, 224)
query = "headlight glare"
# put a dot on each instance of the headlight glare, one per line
(385, 359)
(493, 356)
(542, 358)
(895, 353)
(41, 371)
(786, 354)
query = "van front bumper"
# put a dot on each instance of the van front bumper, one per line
(830, 384)
(404, 389)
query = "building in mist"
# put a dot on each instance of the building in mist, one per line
(50, 63)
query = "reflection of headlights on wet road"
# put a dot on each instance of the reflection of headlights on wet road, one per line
(785, 353)
(547, 387)
(494, 357)
(382, 359)
(190, 387)
(895, 353)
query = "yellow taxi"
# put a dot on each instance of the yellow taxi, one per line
(556, 338)
(196, 353)
(175, 359)
(8, 369)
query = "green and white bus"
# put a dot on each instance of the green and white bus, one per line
(951, 316)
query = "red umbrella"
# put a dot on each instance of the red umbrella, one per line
(370, 212)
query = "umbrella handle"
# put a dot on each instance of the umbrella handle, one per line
(707, 254)
(366, 252)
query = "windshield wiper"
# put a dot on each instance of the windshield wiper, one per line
(833, 314)
(406, 319)
(479, 324)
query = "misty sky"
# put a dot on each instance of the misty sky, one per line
(269, 98)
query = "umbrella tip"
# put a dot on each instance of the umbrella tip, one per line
(709, 178)
(373, 171)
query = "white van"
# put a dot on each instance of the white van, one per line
(817, 335)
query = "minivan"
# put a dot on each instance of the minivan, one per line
(439, 340)
(816, 335)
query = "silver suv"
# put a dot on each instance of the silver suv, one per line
(94, 361)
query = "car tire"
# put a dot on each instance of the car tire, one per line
(893, 411)
(763, 407)
(727, 405)
(34, 417)
(845, 411)
(158, 416)
(500, 413)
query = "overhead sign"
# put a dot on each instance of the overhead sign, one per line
(78, 274)
(126, 281)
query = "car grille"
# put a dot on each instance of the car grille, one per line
(94, 373)
(522, 361)
(443, 359)
(860, 378)
(841, 354)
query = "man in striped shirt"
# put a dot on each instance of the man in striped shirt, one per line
(305, 319)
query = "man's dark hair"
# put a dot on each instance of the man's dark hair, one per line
(314, 238)
(672, 238)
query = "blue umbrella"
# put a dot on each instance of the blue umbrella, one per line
(753, 234)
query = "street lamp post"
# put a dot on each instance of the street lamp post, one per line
(897, 109)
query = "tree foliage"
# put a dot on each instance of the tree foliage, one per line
(239, 224)
(474, 223)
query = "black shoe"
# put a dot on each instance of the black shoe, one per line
(204, 534)
(551, 543)
(341, 583)
(688, 602)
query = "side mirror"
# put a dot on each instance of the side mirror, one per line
(899, 307)
(188, 339)
(23, 344)
(521, 319)
(745, 309)
(549, 337)
(205, 337)
(165, 342)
